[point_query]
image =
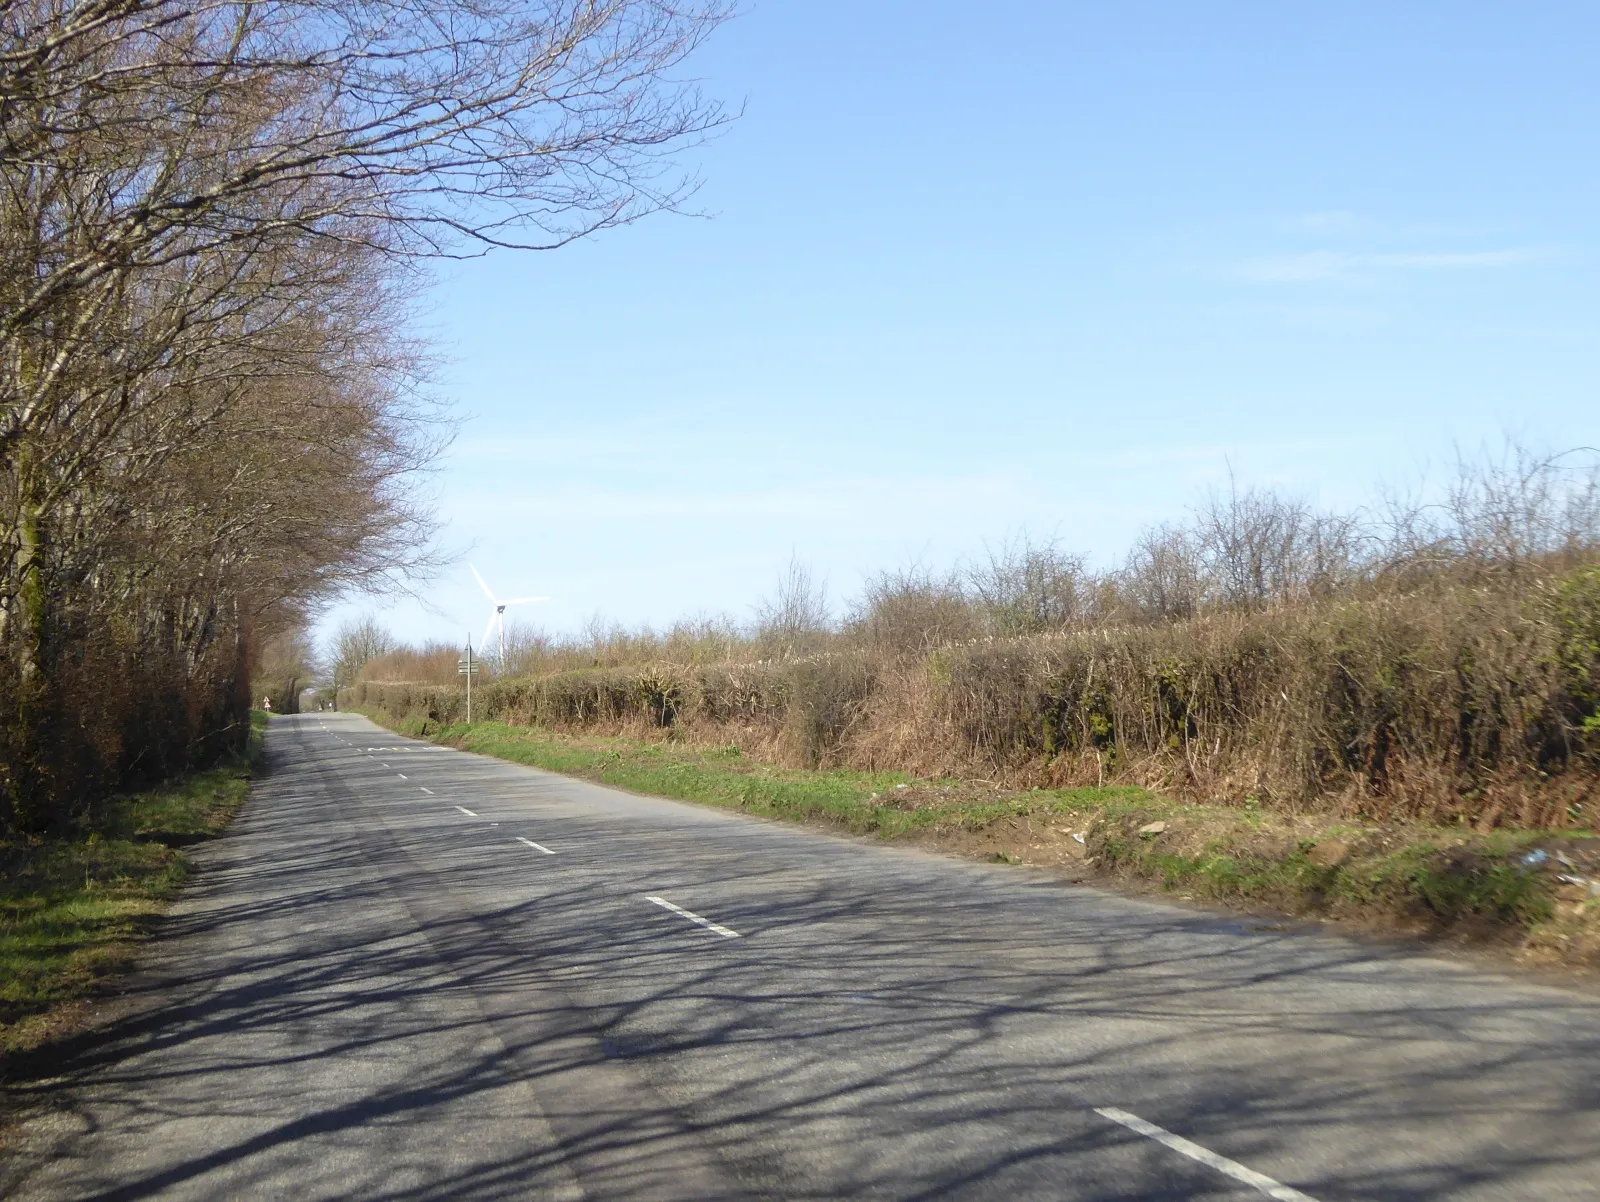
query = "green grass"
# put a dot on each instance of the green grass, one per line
(725, 777)
(73, 907)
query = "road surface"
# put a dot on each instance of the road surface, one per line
(409, 972)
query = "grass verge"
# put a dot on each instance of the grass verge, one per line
(1534, 892)
(74, 907)
(724, 776)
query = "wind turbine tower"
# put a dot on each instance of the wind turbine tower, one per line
(497, 618)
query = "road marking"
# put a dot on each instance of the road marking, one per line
(695, 918)
(426, 790)
(1232, 1168)
(466, 811)
(535, 846)
(402, 776)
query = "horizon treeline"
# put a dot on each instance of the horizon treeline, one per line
(1501, 515)
(212, 419)
(1436, 660)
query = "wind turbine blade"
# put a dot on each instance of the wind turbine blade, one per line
(489, 629)
(484, 585)
(524, 601)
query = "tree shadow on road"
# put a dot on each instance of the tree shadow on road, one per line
(368, 1003)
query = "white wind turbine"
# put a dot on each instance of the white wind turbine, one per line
(498, 617)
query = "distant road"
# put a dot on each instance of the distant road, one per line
(415, 973)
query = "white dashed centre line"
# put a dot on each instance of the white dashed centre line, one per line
(694, 918)
(426, 790)
(1230, 1168)
(466, 811)
(535, 846)
(402, 776)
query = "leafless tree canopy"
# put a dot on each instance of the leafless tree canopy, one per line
(211, 217)
(356, 644)
(1258, 547)
(1026, 587)
(793, 619)
(912, 610)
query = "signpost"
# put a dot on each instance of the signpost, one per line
(466, 667)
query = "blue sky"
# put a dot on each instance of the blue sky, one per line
(969, 270)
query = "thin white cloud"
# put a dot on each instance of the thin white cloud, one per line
(1319, 265)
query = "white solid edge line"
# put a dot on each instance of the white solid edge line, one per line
(426, 790)
(536, 846)
(1232, 1168)
(695, 918)
(466, 811)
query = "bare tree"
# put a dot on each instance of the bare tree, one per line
(1258, 547)
(527, 650)
(1520, 507)
(208, 424)
(913, 609)
(795, 617)
(356, 643)
(1161, 577)
(157, 149)
(1026, 587)
(1248, 542)
(1501, 513)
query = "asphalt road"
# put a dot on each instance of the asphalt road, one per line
(410, 972)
